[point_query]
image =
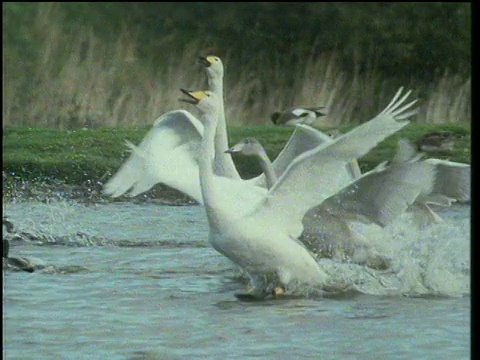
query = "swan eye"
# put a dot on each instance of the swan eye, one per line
(304, 114)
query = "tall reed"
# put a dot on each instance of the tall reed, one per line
(77, 80)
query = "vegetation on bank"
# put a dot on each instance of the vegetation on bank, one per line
(93, 155)
(74, 65)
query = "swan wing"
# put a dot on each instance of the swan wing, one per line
(382, 195)
(319, 173)
(303, 138)
(167, 154)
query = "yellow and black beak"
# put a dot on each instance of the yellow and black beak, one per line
(204, 61)
(194, 97)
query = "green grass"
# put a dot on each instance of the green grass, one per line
(92, 154)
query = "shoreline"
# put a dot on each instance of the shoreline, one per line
(45, 164)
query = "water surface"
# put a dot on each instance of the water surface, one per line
(140, 281)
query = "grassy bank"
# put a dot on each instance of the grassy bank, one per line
(92, 155)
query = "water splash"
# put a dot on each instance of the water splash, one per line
(427, 259)
(45, 189)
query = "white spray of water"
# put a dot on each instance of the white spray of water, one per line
(427, 259)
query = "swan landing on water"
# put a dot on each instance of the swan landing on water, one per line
(257, 228)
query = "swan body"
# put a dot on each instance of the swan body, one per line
(234, 231)
(269, 226)
(452, 183)
(298, 115)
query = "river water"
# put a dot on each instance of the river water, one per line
(140, 281)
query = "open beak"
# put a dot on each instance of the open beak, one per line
(192, 99)
(204, 61)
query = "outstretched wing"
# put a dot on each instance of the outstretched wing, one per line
(167, 154)
(318, 173)
(382, 195)
(303, 138)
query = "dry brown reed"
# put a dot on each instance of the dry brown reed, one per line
(448, 101)
(80, 81)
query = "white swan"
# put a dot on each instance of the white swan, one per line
(298, 115)
(168, 153)
(261, 234)
(453, 179)
(261, 251)
(223, 162)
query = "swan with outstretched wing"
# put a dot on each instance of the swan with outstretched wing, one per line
(261, 234)
(168, 153)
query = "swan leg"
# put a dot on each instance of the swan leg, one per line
(270, 287)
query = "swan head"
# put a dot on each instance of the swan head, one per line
(206, 101)
(213, 64)
(248, 146)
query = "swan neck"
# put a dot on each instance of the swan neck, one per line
(206, 170)
(355, 169)
(224, 164)
(221, 139)
(267, 168)
(216, 85)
